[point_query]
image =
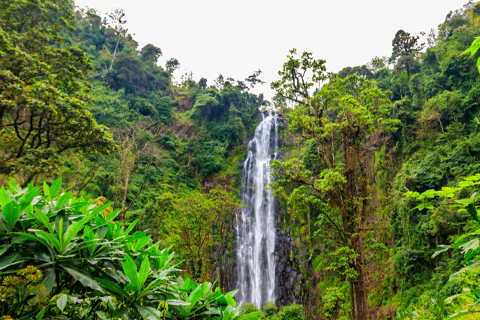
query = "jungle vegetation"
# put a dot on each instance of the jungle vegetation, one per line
(120, 184)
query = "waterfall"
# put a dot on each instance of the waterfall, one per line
(255, 225)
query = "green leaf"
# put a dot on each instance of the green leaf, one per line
(142, 242)
(473, 212)
(174, 302)
(230, 300)
(457, 274)
(55, 188)
(443, 248)
(76, 227)
(112, 215)
(48, 279)
(28, 198)
(43, 219)
(131, 226)
(113, 287)
(144, 271)
(62, 302)
(39, 316)
(4, 197)
(251, 316)
(148, 313)
(84, 279)
(8, 261)
(11, 212)
(63, 200)
(130, 270)
(466, 184)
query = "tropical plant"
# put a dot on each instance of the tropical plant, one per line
(71, 257)
(468, 243)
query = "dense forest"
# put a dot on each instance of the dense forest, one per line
(120, 184)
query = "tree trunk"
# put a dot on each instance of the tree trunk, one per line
(127, 178)
(361, 303)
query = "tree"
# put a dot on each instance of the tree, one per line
(135, 144)
(340, 116)
(219, 82)
(150, 54)
(201, 223)
(405, 48)
(117, 23)
(202, 84)
(43, 93)
(253, 79)
(172, 65)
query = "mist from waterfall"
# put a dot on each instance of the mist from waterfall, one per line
(255, 225)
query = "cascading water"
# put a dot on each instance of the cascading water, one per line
(255, 225)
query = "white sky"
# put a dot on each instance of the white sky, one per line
(234, 38)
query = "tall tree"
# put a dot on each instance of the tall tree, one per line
(172, 65)
(405, 48)
(338, 118)
(117, 23)
(43, 94)
(136, 146)
(150, 54)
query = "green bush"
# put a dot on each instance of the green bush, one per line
(291, 312)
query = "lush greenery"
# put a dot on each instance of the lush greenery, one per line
(371, 133)
(151, 164)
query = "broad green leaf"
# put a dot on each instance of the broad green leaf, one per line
(112, 215)
(39, 316)
(4, 197)
(144, 271)
(63, 200)
(46, 189)
(174, 302)
(473, 212)
(11, 212)
(50, 238)
(233, 292)
(142, 242)
(62, 302)
(113, 287)
(131, 226)
(100, 209)
(34, 238)
(251, 316)
(230, 300)
(48, 279)
(76, 227)
(28, 198)
(43, 219)
(457, 274)
(196, 295)
(466, 184)
(148, 313)
(443, 248)
(4, 248)
(8, 261)
(55, 188)
(84, 279)
(102, 315)
(130, 270)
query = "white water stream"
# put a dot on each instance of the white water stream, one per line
(255, 225)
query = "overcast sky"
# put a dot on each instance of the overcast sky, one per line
(234, 38)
